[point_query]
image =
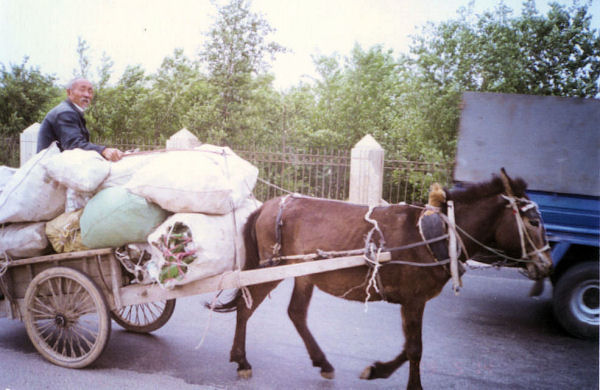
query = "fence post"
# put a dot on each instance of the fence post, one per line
(28, 142)
(366, 172)
(183, 139)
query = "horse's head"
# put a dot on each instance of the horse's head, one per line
(521, 233)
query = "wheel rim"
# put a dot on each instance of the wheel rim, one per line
(142, 314)
(64, 320)
(585, 304)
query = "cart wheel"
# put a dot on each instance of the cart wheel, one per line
(66, 317)
(144, 317)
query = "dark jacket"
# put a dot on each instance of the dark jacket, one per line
(65, 124)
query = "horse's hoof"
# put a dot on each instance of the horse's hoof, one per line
(367, 372)
(328, 374)
(245, 374)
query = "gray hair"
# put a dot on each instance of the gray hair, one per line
(74, 81)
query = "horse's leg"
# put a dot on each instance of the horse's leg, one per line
(298, 310)
(412, 324)
(238, 350)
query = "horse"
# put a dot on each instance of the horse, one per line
(492, 216)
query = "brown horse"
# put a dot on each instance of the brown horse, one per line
(487, 214)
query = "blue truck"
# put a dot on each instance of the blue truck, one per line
(554, 144)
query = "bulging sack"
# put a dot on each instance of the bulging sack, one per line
(188, 247)
(115, 217)
(64, 232)
(5, 174)
(81, 170)
(209, 179)
(30, 195)
(122, 171)
(23, 240)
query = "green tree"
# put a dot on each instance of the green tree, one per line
(176, 87)
(556, 54)
(83, 59)
(25, 96)
(235, 54)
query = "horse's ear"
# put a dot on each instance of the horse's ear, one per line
(506, 182)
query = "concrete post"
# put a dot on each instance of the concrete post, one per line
(366, 172)
(28, 142)
(183, 139)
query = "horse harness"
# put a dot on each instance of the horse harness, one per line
(439, 234)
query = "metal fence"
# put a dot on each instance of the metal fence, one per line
(326, 174)
(314, 172)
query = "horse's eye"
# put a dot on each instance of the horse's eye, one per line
(534, 222)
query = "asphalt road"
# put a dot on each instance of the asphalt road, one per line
(491, 336)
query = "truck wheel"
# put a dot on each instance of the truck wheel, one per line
(576, 300)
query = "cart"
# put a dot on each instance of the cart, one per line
(67, 300)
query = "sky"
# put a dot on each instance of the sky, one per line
(144, 32)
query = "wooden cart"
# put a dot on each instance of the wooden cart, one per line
(67, 300)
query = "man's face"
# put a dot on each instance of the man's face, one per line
(81, 93)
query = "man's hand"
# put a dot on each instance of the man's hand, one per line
(112, 154)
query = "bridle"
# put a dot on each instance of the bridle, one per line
(524, 236)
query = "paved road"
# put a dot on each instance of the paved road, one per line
(492, 336)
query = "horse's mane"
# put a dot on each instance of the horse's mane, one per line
(472, 192)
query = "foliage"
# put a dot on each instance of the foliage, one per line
(83, 59)
(531, 54)
(25, 97)
(410, 102)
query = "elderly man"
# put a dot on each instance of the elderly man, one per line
(65, 123)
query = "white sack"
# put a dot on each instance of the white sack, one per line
(5, 174)
(122, 171)
(217, 242)
(76, 199)
(78, 169)
(23, 240)
(209, 179)
(31, 195)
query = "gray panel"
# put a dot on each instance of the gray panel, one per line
(551, 142)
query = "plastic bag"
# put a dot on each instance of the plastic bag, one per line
(189, 247)
(208, 179)
(30, 195)
(115, 217)
(23, 240)
(64, 232)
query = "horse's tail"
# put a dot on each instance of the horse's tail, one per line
(252, 261)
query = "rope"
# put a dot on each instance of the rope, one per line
(4, 261)
(212, 306)
(372, 283)
(274, 186)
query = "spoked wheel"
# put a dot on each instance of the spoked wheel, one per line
(66, 317)
(144, 317)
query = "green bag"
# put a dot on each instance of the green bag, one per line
(115, 217)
